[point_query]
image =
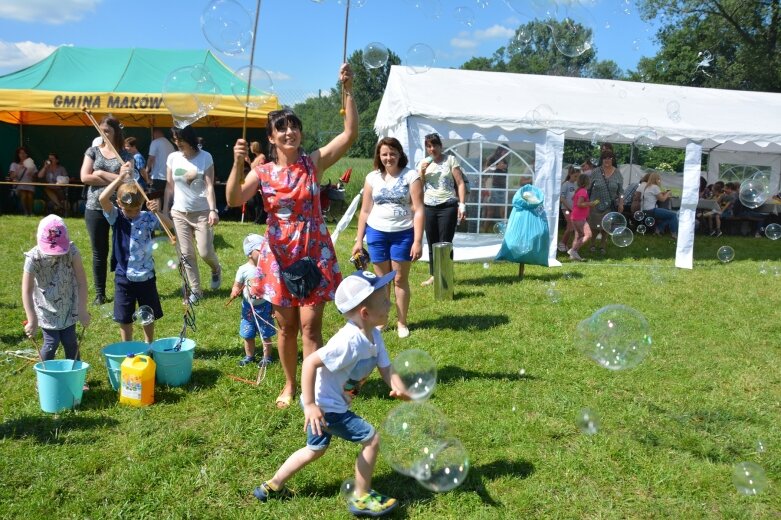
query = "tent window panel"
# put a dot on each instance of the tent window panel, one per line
(729, 172)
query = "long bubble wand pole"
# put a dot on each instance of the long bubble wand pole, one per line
(119, 157)
(251, 66)
(342, 110)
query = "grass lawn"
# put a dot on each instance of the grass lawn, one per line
(510, 380)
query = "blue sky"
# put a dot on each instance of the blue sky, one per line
(300, 41)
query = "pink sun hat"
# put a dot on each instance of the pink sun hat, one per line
(53, 236)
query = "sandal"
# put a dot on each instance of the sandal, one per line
(427, 282)
(284, 400)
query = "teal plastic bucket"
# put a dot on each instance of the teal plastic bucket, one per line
(174, 368)
(115, 353)
(60, 384)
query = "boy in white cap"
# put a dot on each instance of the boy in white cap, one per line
(255, 311)
(330, 378)
(54, 289)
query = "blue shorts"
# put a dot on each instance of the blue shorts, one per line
(248, 329)
(389, 245)
(347, 426)
(127, 293)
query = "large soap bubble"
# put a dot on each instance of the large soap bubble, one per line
(749, 478)
(144, 315)
(375, 55)
(725, 254)
(257, 82)
(444, 469)
(639, 215)
(189, 93)
(573, 33)
(165, 255)
(613, 221)
(753, 193)
(623, 237)
(587, 421)
(773, 231)
(410, 433)
(227, 26)
(616, 337)
(198, 187)
(420, 58)
(500, 228)
(417, 372)
(646, 138)
(464, 15)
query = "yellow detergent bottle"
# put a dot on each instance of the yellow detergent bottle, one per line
(137, 385)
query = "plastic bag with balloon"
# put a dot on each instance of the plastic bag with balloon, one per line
(526, 238)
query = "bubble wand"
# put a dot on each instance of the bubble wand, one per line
(119, 157)
(249, 78)
(35, 346)
(342, 110)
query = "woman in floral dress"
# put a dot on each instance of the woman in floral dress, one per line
(288, 184)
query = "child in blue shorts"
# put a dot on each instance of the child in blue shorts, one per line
(131, 252)
(255, 311)
(330, 378)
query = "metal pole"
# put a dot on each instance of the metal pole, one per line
(443, 270)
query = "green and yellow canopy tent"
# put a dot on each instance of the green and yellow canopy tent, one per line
(41, 106)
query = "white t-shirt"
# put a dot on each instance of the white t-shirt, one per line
(160, 149)
(185, 198)
(440, 184)
(392, 209)
(246, 271)
(568, 189)
(349, 358)
(649, 195)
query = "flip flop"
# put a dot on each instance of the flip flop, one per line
(427, 282)
(284, 401)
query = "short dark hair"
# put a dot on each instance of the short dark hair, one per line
(394, 143)
(131, 141)
(432, 139)
(186, 134)
(119, 138)
(607, 154)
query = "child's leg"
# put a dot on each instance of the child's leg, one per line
(293, 464)
(149, 332)
(126, 331)
(579, 234)
(70, 341)
(267, 348)
(51, 340)
(249, 347)
(364, 465)
(586, 232)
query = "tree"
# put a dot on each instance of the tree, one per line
(741, 36)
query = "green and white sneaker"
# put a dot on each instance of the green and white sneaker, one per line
(264, 491)
(372, 504)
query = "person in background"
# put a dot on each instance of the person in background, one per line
(190, 173)
(159, 150)
(99, 168)
(54, 173)
(288, 183)
(54, 289)
(444, 196)
(391, 219)
(607, 189)
(568, 188)
(586, 167)
(142, 177)
(494, 193)
(23, 169)
(581, 207)
(652, 194)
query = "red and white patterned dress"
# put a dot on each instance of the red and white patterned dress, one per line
(291, 197)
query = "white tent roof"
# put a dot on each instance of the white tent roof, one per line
(619, 111)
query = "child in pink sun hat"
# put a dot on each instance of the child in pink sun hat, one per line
(54, 289)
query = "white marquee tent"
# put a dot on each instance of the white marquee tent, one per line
(732, 126)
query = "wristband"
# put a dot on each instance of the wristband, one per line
(214, 211)
(462, 207)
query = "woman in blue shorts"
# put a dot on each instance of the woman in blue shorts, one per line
(391, 220)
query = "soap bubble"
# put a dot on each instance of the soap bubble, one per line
(257, 82)
(444, 469)
(623, 237)
(773, 231)
(616, 337)
(500, 228)
(520, 40)
(375, 55)
(649, 221)
(126, 198)
(348, 489)
(639, 216)
(411, 431)
(543, 115)
(144, 315)
(725, 254)
(106, 310)
(753, 193)
(553, 295)
(464, 15)
(417, 372)
(613, 221)
(674, 111)
(253, 291)
(662, 66)
(198, 187)
(227, 26)
(749, 478)
(641, 229)
(646, 138)
(587, 421)
(486, 265)
(573, 34)
(164, 254)
(760, 446)
(420, 58)
(189, 93)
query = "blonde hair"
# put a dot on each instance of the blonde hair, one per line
(654, 178)
(129, 196)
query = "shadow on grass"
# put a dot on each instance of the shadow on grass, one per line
(464, 322)
(468, 295)
(204, 378)
(47, 429)
(512, 279)
(450, 373)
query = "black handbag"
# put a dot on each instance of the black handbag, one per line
(303, 275)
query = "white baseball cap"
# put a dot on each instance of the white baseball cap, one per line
(355, 288)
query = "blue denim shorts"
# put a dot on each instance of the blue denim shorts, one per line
(389, 245)
(248, 327)
(347, 426)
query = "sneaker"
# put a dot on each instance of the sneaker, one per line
(599, 236)
(713, 233)
(372, 504)
(216, 279)
(99, 300)
(562, 247)
(193, 299)
(264, 491)
(246, 361)
(403, 331)
(717, 233)
(265, 360)
(574, 255)
(757, 235)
